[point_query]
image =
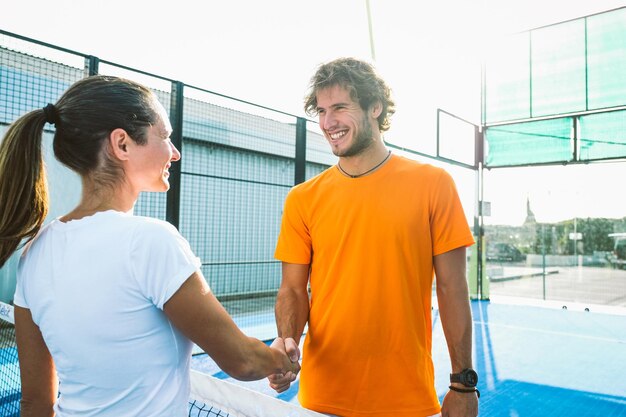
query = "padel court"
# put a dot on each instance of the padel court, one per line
(532, 361)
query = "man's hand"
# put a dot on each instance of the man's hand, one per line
(459, 404)
(282, 382)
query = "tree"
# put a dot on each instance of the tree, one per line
(596, 234)
(556, 237)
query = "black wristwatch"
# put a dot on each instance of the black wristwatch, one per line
(467, 377)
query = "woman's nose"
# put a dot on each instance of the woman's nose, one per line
(175, 153)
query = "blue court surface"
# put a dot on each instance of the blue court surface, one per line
(532, 361)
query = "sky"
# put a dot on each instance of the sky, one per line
(265, 52)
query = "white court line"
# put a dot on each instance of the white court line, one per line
(530, 329)
(556, 304)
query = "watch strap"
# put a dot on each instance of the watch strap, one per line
(465, 390)
(455, 378)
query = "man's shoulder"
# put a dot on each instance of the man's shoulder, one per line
(414, 167)
(315, 182)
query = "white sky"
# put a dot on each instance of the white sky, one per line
(266, 51)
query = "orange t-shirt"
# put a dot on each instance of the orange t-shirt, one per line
(370, 242)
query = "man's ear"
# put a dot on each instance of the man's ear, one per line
(118, 142)
(376, 109)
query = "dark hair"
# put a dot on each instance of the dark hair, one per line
(84, 117)
(361, 80)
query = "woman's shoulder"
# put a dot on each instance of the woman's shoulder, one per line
(151, 225)
(125, 226)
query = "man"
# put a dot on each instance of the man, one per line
(367, 235)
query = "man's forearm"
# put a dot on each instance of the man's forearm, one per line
(454, 307)
(292, 313)
(456, 320)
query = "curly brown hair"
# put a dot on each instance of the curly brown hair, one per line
(362, 82)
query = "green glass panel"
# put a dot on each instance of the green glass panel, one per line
(543, 141)
(558, 69)
(507, 80)
(606, 55)
(602, 136)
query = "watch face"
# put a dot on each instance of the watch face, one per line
(471, 378)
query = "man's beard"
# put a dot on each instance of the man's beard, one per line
(362, 141)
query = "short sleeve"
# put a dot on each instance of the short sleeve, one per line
(19, 299)
(162, 260)
(294, 240)
(448, 224)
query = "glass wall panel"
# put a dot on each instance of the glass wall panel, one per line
(557, 233)
(558, 69)
(568, 67)
(527, 143)
(456, 139)
(602, 135)
(606, 59)
(507, 80)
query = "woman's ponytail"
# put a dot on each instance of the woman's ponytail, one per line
(23, 185)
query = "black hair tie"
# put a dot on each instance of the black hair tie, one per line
(52, 116)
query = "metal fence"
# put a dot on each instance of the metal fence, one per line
(239, 160)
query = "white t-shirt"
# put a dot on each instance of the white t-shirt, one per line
(96, 288)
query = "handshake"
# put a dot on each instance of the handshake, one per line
(288, 347)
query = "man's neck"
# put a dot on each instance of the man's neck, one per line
(370, 159)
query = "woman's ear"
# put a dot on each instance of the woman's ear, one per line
(118, 141)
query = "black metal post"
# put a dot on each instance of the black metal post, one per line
(91, 65)
(172, 211)
(300, 168)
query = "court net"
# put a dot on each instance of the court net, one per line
(9, 367)
(210, 397)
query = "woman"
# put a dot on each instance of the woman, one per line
(107, 301)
